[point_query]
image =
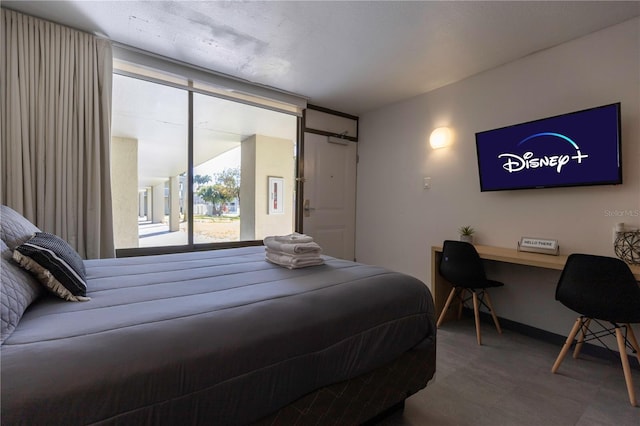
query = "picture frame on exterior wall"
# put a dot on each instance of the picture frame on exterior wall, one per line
(276, 195)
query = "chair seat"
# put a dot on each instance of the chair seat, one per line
(482, 284)
(493, 283)
(601, 288)
(622, 318)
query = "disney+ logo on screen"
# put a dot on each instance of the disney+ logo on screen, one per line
(580, 148)
(517, 163)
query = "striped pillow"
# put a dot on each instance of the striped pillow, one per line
(56, 264)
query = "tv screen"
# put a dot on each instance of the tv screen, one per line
(579, 148)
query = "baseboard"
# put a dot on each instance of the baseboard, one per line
(549, 337)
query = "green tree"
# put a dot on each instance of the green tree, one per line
(201, 179)
(211, 194)
(230, 180)
(225, 189)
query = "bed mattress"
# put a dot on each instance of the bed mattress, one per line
(198, 337)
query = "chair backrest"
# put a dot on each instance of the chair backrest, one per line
(461, 265)
(599, 287)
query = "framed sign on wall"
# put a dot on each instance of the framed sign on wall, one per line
(276, 195)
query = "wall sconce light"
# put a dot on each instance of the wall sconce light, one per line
(440, 137)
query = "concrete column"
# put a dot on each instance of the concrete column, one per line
(264, 156)
(141, 202)
(147, 203)
(248, 191)
(185, 202)
(174, 203)
(157, 203)
(124, 188)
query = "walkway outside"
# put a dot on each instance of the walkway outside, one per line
(206, 231)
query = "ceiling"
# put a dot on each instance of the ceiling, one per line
(351, 56)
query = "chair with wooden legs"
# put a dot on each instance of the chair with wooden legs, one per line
(461, 265)
(602, 290)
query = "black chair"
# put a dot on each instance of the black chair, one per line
(601, 289)
(461, 265)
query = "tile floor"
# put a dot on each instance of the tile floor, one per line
(508, 381)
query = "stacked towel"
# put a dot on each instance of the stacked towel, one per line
(293, 251)
(293, 238)
(293, 261)
(292, 245)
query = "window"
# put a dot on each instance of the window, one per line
(235, 148)
(149, 163)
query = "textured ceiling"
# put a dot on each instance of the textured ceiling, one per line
(349, 56)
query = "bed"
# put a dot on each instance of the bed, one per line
(217, 337)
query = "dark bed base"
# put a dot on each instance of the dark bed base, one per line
(364, 399)
(398, 408)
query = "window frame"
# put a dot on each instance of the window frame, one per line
(124, 67)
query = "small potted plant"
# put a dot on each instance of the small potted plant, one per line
(466, 233)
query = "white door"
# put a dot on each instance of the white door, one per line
(329, 212)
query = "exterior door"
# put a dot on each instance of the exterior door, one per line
(329, 204)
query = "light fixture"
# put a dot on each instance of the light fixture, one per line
(440, 137)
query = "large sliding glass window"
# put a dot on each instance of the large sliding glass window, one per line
(236, 149)
(243, 174)
(148, 163)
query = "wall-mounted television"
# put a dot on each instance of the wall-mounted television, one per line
(574, 149)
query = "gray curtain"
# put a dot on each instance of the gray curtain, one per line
(56, 130)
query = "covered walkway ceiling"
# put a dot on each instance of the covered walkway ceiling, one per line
(156, 116)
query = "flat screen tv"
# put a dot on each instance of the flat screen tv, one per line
(574, 149)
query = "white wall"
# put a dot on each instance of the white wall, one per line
(398, 221)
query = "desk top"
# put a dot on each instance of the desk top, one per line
(508, 255)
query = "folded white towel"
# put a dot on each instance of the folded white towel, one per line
(293, 256)
(294, 238)
(292, 248)
(293, 261)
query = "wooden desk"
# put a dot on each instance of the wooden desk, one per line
(440, 287)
